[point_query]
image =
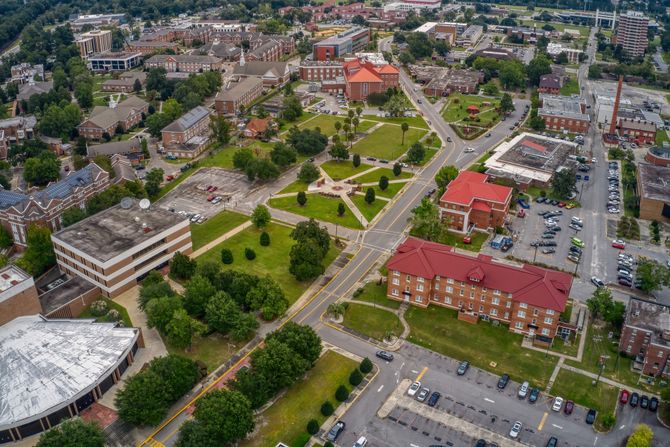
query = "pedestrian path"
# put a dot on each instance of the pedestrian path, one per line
(606, 380)
(220, 239)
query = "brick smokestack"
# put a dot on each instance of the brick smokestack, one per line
(615, 111)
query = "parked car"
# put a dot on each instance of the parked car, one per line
(385, 355)
(558, 403)
(423, 394)
(653, 404)
(644, 402)
(463, 368)
(362, 442)
(634, 399)
(548, 251)
(597, 281)
(618, 243)
(335, 431)
(523, 390)
(569, 406)
(503, 381)
(480, 443)
(413, 388)
(533, 396)
(553, 442)
(515, 430)
(591, 416)
(433, 399)
(623, 398)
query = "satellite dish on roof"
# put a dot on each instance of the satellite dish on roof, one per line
(145, 204)
(126, 203)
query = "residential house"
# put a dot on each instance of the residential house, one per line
(256, 127)
(551, 84)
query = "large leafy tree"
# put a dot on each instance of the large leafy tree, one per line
(540, 65)
(198, 292)
(564, 182)
(416, 153)
(426, 222)
(283, 155)
(307, 141)
(261, 216)
(182, 328)
(652, 275)
(308, 172)
(445, 175)
(641, 436)
(301, 338)
(39, 254)
(42, 169)
(73, 433)
(161, 310)
(506, 103)
(278, 364)
(292, 108)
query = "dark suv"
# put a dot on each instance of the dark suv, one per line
(502, 382)
(385, 355)
(335, 431)
(432, 401)
(463, 368)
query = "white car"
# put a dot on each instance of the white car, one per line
(469, 149)
(558, 403)
(413, 388)
(597, 281)
(516, 429)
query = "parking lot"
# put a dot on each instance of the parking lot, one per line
(191, 196)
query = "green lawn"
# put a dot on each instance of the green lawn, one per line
(597, 345)
(272, 260)
(385, 142)
(456, 240)
(201, 234)
(662, 137)
(376, 294)
(571, 87)
(223, 158)
(457, 106)
(340, 170)
(370, 321)
(374, 176)
(430, 153)
(296, 186)
(389, 192)
(286, 420)
(86, 313)
(578, 388)
(413, 121)
(325, 122)
(319, 207)
(212, 350)
(438, 329)
(371, 210)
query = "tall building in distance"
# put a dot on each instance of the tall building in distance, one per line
(632, 33)
(95, 41)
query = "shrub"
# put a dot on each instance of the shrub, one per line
(327, 408)
(342, 393)
(608, 421)
(113, 315)
(365, 366)
(355, 378)
(313, 427)
(340, 209)
(328, 444)
(301, 198)
(249, 254)
(397, 169)
(265, 239)
(356, 161)
(99, 308)
(226, 256)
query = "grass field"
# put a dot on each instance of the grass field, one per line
(456, 240)
(571, 87)
(212, 350)
(578, 388)
(340, 170)
(370, 321)
(286, 420)
(389, 192)
(430, 153)
(385, 142)
(374, 176)
(223, 158)
(415, 121)
(296, 186)
(438, 329)
(458, 104)
(319, 207)
(376, 294)
(327, 124)
(214, 227)
(86, 313)
(371, 210)
(272, 260)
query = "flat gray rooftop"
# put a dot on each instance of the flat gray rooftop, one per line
(46, 363)
(565, 106)
(116, 230)
(655, 181)
(649, 316)
(541, 154)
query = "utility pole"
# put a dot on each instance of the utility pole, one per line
(535, 255)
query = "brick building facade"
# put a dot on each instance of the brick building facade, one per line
(18, 295)
(103, 119)
(240, 94)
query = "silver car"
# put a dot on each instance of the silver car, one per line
(423, 394)
(516, 430)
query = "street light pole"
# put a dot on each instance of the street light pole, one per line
(535, 255)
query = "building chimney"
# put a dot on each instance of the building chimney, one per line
(615, 110)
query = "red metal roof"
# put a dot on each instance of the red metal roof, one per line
(470, 186)
(387, 69)
(481, 206)
(364, 75)
(538, 147)
(529, 284)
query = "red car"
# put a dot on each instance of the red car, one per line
(561, 204)
(169, 178)
(618, 243)
(521, 213)
(569, 406)
(624, 396)
(214, 188)
(210, 198)
(209, 188)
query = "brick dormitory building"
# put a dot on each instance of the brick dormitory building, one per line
(646, 336)
(529, 299)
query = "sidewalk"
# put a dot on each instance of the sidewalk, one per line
(205, 248)
(606, 380)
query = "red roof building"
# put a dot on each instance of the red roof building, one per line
(528, 298)
(363, 78)
(257, 127)
(470, 201)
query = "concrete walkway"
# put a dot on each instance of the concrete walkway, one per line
(606, 380)
(205, 248)
(354, 209)
(554, 374)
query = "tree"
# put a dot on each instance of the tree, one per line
(6, 240)
(511, 74)
(301, 198)
(506, 103)
(226, 256)
(595, 71)
(416, 153)
(355, 378)
(182, 267)
(308, 172)
(261, 216)
(172, 109)
(540, 65)
(599, 302)
(264, 239)
(283, 155)
(490, 88)
(197, 294)
(327, 408)
(339, 152)
(356, 161)
(338, 127)
(39, 255)
(152, 181)
(161, 310)
(278, 365)
(370, 196)
(404, 127)
(562, 58)
(220, 128)
(250, 254)
(652, 275)
(150, 291)
(307, 141)
(366, 366)
(426, 222)
(137, 86)
(224, 315)
(313, 426)
(397, 169)
(242, 158)
(536, 122)
(342, 393)
(182, 328)
(340, 209)
(302, 339)
(262, 169)
(292, 108)
(73, 433)
(445, 175)
(383, 182)
(641, 436)
(564, 183)
(42, 169)
(305, 260)
(73, 215)
(310, 230)
(144, 400)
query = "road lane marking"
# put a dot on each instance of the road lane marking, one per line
(595, 440)
(557, 426)
(414, 371)
(544, 419)
(403, 364)
(622, 427)
(423, 371)
(380, 388)
(489, 400)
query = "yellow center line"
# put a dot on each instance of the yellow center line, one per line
(423, 371)
(544, 419)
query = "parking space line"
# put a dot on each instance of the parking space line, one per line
(544, 419)
(423, 371)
